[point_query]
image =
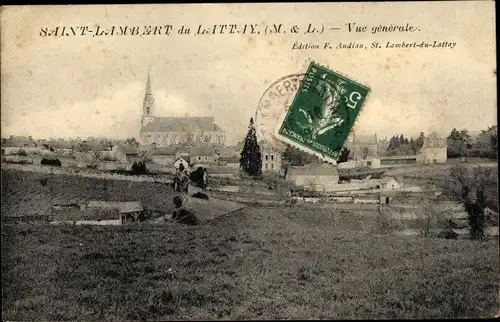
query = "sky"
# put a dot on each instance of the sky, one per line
(82, 86)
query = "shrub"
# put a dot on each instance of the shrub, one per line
(200, 195)
(54, 162)
(139, 168)
(43, 181)
(448, 233)
(471, 189)
(386, 223)
(196, 178)
(22, 152)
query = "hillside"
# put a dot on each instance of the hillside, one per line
(257, 263)
(27, 193)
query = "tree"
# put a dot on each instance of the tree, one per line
(458, 143)
(470, 188)
(419, 142)
(413, 146)
(139, 167)
(250, 160)
(131, 141)
(344, 155)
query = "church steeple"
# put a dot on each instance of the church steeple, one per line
(149, 102)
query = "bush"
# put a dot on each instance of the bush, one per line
(448, 234)
(53, 162)
(22, 152)
(200, 195)
(196, 178)
(139, 168)
(386, 223)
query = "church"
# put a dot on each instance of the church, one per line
(167, 131)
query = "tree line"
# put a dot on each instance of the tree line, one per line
(459, 144)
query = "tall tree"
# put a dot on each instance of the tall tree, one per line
(344, 155)
(459, 142)
(413, 146)
(250, 160)
(419, 142)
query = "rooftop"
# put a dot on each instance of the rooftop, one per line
(123, 206)
(313, 169)
(182, 124)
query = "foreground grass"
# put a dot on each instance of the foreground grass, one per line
(259, 263)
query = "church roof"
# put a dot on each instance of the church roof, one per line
(227, 151)
(182, 124)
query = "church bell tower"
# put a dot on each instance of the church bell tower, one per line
(148, 104)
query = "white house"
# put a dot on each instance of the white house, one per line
(182, 160)
(164, 156)
(434, 150)
(390, 183)
(316, 177)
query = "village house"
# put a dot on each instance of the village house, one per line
(202, 156)
(19, 145)
(232, 162)
(362, 147)
(434, 150)
(271, 156)
(184, 160)
(390, 183)
(315, 177)
(127, 154)
(164, 156)
(65, 148)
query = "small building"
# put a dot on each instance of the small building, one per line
(315, 177)
(227, 151)
(233, 162)
(362, 146)
(182, 160)
(390, 183)
(202, 155)
(127, 154)
(271, 155)
(434, 150)
(164, 156)
(18, 145)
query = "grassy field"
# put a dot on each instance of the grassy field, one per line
(258, 263)
(26, 193)
(438, 175)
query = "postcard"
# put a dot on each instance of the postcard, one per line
(245, 161)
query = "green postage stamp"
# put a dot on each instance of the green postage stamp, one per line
(322, 113)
